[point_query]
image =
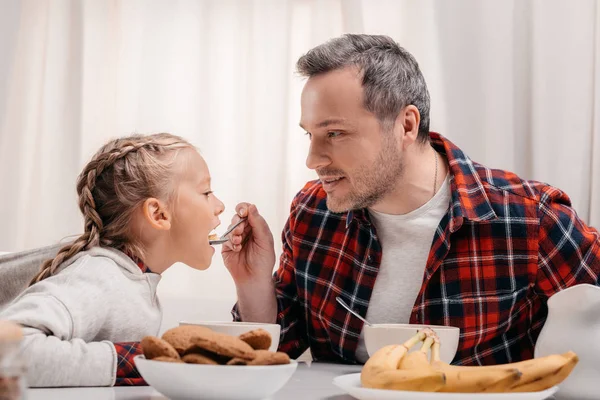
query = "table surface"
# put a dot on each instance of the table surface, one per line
(312, 381)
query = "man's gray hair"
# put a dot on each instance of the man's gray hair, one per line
(391, 77)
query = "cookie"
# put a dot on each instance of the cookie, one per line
(180, 337)
(264, 357)
(237, 361)
(196, 358)
(258, 339)
(154, 347)
(223, 345)
(213, 356)
(168, 359)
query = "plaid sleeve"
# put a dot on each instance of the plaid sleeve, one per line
(569, 250)
(127, 373)
(294, 340)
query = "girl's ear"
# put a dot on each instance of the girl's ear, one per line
(157, 214)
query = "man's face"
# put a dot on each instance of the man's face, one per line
(357, 162)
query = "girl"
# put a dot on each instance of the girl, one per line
(147, 204)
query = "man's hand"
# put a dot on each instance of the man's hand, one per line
(249, 255)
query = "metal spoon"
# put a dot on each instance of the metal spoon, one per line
(347, 307)
(218, 241)
(223, 237)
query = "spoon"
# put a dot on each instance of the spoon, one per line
(218, 241)
(223, 237)
(347, 307)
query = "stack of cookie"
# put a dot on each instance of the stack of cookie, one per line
(200, 345)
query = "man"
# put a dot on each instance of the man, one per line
(402, 225)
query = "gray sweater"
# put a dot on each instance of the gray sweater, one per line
(71, 319)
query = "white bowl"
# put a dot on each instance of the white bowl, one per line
(237, 328)
(381, 335)
(224, 382)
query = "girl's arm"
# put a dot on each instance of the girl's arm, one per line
(51, 349)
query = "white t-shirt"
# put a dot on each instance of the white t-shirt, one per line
(406, 242)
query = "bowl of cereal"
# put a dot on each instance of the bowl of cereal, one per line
(195, 362)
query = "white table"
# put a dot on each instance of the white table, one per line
(308, 382)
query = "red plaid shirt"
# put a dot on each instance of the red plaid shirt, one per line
(503, 248)
(127, 373)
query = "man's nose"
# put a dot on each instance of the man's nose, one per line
(317, 158)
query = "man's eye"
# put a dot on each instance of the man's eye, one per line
(308, 134)
(333, 134)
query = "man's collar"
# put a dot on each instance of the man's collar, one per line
(469, 198)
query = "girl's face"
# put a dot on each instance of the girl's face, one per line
(196, 213)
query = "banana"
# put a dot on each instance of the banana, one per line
(535, 374)
(554, 377)
(381, 370)
(527, 365)
(473, 380)
(393, 367)
(539, 368)
(503, 385)
(421, 380)
(387, 358)
(418, 359)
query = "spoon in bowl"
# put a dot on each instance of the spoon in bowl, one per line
(347, 307)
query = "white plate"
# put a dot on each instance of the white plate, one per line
(223, 382)
(351, 385)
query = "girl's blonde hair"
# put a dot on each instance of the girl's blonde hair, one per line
(120, 177)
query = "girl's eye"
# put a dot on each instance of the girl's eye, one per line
(207, 193)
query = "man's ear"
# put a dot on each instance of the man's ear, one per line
(407, 125)
(156, 214)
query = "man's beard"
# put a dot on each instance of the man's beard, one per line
(370, 183)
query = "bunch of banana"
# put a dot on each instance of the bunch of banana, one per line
(381, 370)
(393, 367)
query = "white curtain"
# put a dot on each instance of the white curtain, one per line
(515, 83)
